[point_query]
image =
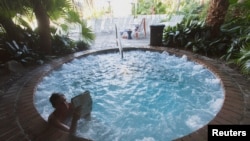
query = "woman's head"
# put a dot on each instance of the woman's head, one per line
(59, 101)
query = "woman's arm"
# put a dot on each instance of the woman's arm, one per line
(76, 117)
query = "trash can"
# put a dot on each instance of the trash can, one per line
(156, 32)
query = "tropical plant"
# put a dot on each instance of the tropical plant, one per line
(182, 32)
(237, 27)
(21, 51)
(238, 9)
(8, 10)
(62, 45)
(72, 17)
(243, 59)
(146, 7)
(231, 41)
(189, 7)
(192, 34)
(239, 36)
(43, 10)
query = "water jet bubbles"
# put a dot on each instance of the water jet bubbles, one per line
(194, 122)
(184, 58)
(165, 53)
(146, 139)
(168, 87)
(198, 67)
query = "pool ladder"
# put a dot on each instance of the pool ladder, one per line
(118, 42)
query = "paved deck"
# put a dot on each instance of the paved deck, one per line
(19, 120)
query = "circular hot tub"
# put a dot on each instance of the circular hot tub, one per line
(149, 94)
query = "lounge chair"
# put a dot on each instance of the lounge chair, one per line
(140, 29)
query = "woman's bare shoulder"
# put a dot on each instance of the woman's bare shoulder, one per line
(51, 118)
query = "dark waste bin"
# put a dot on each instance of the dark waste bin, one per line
(156, 32)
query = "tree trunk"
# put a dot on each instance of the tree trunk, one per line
(216, 15)
(43, 27)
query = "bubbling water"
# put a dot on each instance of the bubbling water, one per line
(146, 96)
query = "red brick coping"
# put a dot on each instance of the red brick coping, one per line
(20, 120)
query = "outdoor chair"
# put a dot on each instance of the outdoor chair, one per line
(134, 29)
(140, 29)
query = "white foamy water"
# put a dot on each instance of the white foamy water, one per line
(147, 96)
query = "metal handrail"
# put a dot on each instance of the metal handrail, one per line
(118, 42)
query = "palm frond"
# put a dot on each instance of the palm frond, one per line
(58, 8)
(87, 34)
(73, 16)
(11, 8)
(244, 59)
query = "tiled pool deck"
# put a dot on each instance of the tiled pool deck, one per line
(19, 120)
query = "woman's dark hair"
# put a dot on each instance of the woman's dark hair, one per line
(54, 97)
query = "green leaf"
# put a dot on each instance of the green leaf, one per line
(233, 1)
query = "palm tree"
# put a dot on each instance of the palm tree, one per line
(43, 26)
(44, 11)
(9, 9)
(216, 15)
